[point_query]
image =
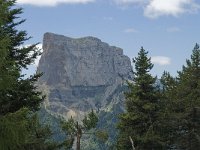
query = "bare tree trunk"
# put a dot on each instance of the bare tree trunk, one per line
(132, 143)
(79, 134)
(78, 144)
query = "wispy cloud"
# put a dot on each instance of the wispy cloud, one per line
(130, 2)
(157, 8)
(108, 18)
(161, 60)
(130, 30)
(52, 2)
(173, 29)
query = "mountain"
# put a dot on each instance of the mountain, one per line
(83, 74)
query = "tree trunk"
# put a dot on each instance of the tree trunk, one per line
(78, 144)
(132, 143)
(79, 134)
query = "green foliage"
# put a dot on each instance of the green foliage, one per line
(167, 118)
(69, 126)
(13, 130)
(181, 105)
(39, 136)
(90, 121)
(140, 121)
(74, 129)
(22, 130)
(15, 91)
(19, 98)
(102, 135)
(168, 115)
(188, 100)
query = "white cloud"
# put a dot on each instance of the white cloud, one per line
(157, 8)
(108, 18)
(38, 58)
(130, 2)
(52, 2)
(130, 30)
(161, 60)
(173, 29)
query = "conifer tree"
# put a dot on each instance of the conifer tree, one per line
(188, 102)
(168, 110)
(22, 92)
(19, 98)
(138, 126)
(181, 105)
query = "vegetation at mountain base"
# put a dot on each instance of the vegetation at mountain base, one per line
(74, 129)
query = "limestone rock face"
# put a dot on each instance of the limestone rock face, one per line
(82, 74)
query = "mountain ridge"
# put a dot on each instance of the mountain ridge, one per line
(81, 74)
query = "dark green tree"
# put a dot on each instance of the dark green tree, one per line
(19, 97)
(138, 126)
(16, 92)
(188, 102)
(181, 105)
(13, 130)
(168, 110)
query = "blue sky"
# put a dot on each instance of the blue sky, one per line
(168, 29)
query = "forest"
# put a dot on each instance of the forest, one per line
(160, 114)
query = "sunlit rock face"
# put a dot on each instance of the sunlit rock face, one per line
(82, 74)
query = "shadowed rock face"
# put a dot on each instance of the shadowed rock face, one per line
(82, 74)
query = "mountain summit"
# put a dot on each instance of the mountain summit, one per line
(82, 74)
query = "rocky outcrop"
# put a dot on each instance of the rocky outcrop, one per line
(82, 74)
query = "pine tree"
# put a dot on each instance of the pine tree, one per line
(139, 123)
(16, 92)
(168, 110)
(181, 105)
(188, 102)
(19, 97)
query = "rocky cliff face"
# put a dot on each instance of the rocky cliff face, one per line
(82, 74)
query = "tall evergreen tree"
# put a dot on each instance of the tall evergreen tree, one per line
(19, 98)
(168, 110)
(181, 105)
(138, 126)
(188, 102)
(16, 92)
